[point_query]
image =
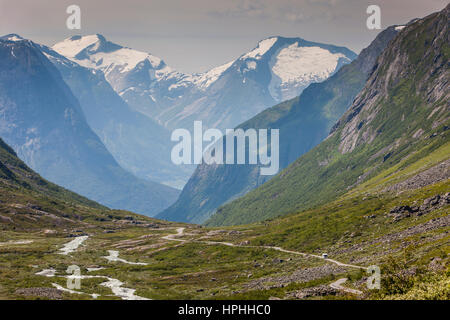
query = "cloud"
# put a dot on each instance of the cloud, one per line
(294, 11)
(253, 8)
(294, 17)
(239, 9)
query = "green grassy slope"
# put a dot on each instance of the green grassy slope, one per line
(363, 227)
(14, 173)
(29, 202)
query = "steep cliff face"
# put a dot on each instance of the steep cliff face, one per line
(416, 62)
(303, 123)
(401, 113)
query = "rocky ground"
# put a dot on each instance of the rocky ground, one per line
(435, 174)
(298, 276)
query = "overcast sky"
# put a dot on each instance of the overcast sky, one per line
(195, 35)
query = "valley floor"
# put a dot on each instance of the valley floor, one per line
(131, 259)
(168, 262)
(120, 255)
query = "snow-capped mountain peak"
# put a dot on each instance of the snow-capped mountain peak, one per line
(293, 64)
(94, 51)
(72, 46)
(12, 37)
(277, 69)
(206, 79)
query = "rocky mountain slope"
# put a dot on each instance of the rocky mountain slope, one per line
(43, 121)
(276, 70)
(303, 123)
(402, 114)
(138, 143)
(15, 174)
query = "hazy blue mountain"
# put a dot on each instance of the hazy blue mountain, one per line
(141, 79)
(303, 123)
(43, 121)
(18, 179)
(138, 143)
(276, 70)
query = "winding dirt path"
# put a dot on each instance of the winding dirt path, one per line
(172, 237)
(336, 285)
(180, 232)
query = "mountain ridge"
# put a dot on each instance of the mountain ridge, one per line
(173, 99)
(130, 136)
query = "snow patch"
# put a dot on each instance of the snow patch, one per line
(263, 47)
(124, 59)
(295, 67)
(61, 288)
(47, 273)
(13, 37)
(204, 80)
(114, 284)
(72, 245)
(294, 63)
(70, 47)
(124, 293)
(16, 242)
(94, 269)
(114, 256)
(251, 65)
